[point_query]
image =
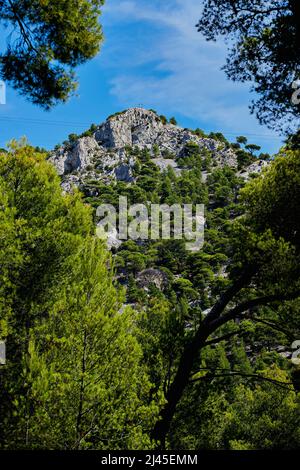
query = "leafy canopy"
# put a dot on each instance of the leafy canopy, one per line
(46, 40)
(73, 377)
(265, 49)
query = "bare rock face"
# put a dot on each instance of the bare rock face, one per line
(136, 126)
(143, 128)
(105, 150)
(112, 240)
(164, 163)
(77, 156)
(254, 169)
(152, 276)
(123, 172)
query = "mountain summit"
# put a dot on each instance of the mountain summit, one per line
(101, 153)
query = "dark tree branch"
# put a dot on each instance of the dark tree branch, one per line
(211, 323)
(222, 338)
(191, 351)
(250, 304)
(273, 325)
(278, 383)
(228, 295)
(22, 27)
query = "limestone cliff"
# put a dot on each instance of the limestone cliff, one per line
(102, 155)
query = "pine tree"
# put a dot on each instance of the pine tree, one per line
(73, 377)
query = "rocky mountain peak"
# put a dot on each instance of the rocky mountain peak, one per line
(135, 126)
(101, 153)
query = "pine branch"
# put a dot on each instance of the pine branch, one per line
(241, 374)
(22, 27)
(222, 338)
(249, 304)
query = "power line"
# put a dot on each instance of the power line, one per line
(38, 121)
(44, 121)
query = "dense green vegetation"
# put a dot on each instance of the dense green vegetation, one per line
(74, 376)
(83, 371)
(151, 346)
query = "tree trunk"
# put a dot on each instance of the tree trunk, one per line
(190, 354)
(81, 393)
(177, 387)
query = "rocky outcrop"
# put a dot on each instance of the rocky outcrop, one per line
(136, 126)
(76, 156)
(111, 238)
(254, 169)
(164, 163)
(105, 150)
(143, 128)
(104, 156)
(123, 172)
(150, 277)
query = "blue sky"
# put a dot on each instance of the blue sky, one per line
(152, 57)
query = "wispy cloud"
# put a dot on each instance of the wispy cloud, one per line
(166, 63)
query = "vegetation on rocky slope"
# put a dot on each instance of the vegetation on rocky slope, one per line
(202, 351)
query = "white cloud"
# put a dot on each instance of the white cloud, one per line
(172, 67)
